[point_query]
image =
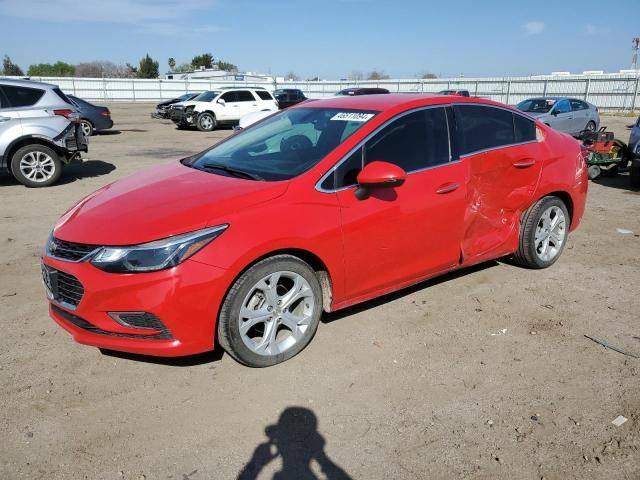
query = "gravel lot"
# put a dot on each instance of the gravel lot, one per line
(482, 374)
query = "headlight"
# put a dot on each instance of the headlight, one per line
(157, 255)
(189, 109)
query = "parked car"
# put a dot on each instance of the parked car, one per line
(569, 115)
(461, 93)
(39, 132)
(218, 107)
(92, 117)
(634, 146)
(287, 97)
(317, 208)
(251, 118)
(362, 91)
(162, 109)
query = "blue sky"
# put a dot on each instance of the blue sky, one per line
(330, 38)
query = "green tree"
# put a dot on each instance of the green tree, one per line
(377, 75)
(172, 63)
(205, 60)
(149, 68)
(183, 68)
(227, 66)
(428, 75)
(58, 69)
(10, 68)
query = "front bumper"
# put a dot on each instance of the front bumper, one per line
(180, 117)
(185, 299)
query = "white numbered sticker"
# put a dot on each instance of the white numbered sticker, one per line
(352, 116)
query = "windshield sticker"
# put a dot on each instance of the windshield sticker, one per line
(352, 116)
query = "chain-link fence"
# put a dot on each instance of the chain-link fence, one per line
(607, 91)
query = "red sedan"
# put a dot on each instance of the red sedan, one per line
(314, 209)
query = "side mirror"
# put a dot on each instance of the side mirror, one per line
(379, 174)
(554, 113)
(221, 102)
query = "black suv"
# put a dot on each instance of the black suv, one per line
(288, 97)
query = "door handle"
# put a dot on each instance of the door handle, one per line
(448, 188)
(524, 163)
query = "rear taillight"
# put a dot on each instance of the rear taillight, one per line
(68, 114)
(105, 114)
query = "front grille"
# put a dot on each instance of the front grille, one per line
(68, 250)
(62, 287)
(82, 323)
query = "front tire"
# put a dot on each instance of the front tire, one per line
(543, 233)
(271, 312)
(36, 166)
(206, 122)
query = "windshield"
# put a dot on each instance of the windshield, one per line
(536, 105)
(207, 96)
(284, 145)
(186, 96)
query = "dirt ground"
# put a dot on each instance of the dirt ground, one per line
(484, 374)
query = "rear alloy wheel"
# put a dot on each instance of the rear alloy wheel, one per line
(36, 166)
(87, 127)
(206, 122)
(271, 313)
(591, 126)
(543, 233)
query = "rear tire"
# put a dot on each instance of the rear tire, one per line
(87, 127)
(591, 126)
(271, 312)
(206, 122)
(543, 233)
(593, 171)
(36, 166)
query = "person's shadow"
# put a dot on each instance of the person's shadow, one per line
(295, 438)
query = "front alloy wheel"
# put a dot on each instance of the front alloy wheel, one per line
(206, 122)
(271, 313)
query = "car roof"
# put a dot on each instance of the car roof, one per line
(26, 83)
(394, 100)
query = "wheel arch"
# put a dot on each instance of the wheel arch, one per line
(310, 258)
(25, 141)
(562, 195)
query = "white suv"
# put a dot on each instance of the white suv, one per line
(39, 132)
(224, 106)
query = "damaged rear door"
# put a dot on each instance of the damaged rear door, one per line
(504, 161)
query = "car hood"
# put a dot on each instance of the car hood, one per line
(160, 202)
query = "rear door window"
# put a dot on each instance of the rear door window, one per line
(578, 105)
(22, 96)
(482, 127)
(245, 96)
(264, 95)
(525, 129)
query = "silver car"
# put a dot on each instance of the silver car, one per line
(39, 132)
(569, 115)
